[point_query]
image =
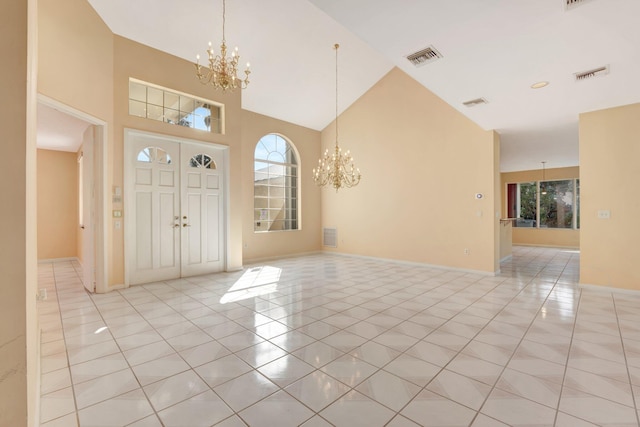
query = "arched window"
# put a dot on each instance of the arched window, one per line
(275, 185)
(154, 155)
(202, 161)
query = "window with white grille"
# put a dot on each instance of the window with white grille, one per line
(275, 185)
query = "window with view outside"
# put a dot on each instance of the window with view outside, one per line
(275, 185)
(578, 204)
(556, 204)
(523, 204)
(161, 104)
(545, 204)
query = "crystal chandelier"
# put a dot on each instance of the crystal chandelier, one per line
(336, 168)
(222, 72)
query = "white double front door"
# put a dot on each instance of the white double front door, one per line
(174, 220)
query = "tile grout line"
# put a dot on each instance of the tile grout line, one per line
(459, 352)
(626, 362)
(64, 338)
(293, 296)
(493, 387)
(566, 364)
(504, 368)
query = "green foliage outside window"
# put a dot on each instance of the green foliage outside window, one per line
(557, 204)
(528, 200)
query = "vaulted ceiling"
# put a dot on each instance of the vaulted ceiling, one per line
(491, 49)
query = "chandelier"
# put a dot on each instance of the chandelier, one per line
(336, 168)
(222, 72)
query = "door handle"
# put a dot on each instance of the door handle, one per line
(186, 225)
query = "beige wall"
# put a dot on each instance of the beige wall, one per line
(497, 201)
(609, 177)
(422, 163)
(57, 204)
(540, 236)
(75, 57)
(76, 69)
(307, 142)
(18, 319)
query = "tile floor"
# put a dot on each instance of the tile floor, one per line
(329, 340)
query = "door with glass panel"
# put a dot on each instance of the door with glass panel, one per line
(201, 210)
(174, 213)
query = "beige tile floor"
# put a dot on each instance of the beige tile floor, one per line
(329, 340)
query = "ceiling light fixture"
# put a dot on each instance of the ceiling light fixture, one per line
(222, 72)
(539, 85)
(336, 169)
(543, 170)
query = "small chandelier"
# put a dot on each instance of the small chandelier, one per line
(222, 72)
(336, 168)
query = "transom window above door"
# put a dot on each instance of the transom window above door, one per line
(157, 103)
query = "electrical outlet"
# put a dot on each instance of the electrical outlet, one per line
(467, 251)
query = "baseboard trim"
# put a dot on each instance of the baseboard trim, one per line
(608, 289)
(416, 264)
(53, 260)
(531, 245)
(278, 257)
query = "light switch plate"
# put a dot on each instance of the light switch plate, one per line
(604, 214)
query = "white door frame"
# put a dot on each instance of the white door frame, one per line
(100, 183)
(86, 195)
(129, 232)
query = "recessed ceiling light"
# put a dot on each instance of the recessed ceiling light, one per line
(539, 85)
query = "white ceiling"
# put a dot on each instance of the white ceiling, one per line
(59, 131)
(492, 48)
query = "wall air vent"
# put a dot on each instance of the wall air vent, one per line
(424, 56)
(596, 72)
(474, 102)
(572, 4)
(330, 237)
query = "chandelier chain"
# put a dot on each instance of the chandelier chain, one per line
(336, 49)
(224, 14)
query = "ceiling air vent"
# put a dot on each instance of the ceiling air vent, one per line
(474, 102)
(424, 56)
(596, 72)
(571, 4)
